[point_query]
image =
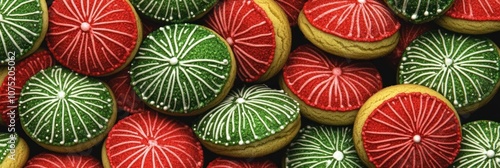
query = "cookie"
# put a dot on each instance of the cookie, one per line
(407, 126)
(93, 37)
(479, 147)
(252, 121)
(66, 112)
(463, 68)
(241, 163)
(183, 69)
(409, 32)
(323, 146)
(292, 9)
(126, 99)
(50, 160)
(24, 25)
(258, 33)
(12, 82)
(329, 89)
(363, 29)
(173, 11)
(421, 11)
(472, 17)
(14, 151)
(149, 139)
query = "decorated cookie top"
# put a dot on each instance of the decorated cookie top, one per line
(50, 160)
(248, 30)
(6, 140)
(181, 67)
(359, 20)
(480, 10)
(419, 11)
(328, 82)
(408, 33)
(23, 71)
(248, 114)
(92, 37)
(173, 10)
(149, 139)
(412, 129)
(21, 23)
(480, 145)
(126, 99)
(62, 108)
(292, 9)
(241, 163)
(463, 68)
(323, 146)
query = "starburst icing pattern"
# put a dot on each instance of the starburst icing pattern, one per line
(292, 9)
(419, 11)
(482, 10)
(173, 10)
(49, 160)
(480, 145)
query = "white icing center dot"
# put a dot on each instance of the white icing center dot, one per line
(337, 71)
(417, 138)
(490, 153)
(85, 26)
(230, 41)
(61, 95)
(361, 1)
(240, 100)
(338, 155)
(152, 142)
(174, 61)
(448, 61)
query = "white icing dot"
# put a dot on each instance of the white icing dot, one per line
(61, 95)
(426, 13)
(338, 155)
(490, 153)
(240, 142)
(85, 26)
(337, 71)
(455, 102)
(439, 10)
(152, 142)
(230, 41)
(414, 16)
(417, 139)
(174, 61)
(448, 61)
(361, 1)
(240, 100)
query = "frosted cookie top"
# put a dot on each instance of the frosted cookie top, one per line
(173, 10)
(419, 11)
(480, 145)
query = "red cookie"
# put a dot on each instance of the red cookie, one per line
(329, 89)
(292, 9)
(93, 37)
(472, 17)
(409, 32)
(12, 81)
(241, 163)
(49, 160)
(126, 98)
(149, 139)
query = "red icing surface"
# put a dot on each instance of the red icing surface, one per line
(328, 82)
(249, 32)
(148, 139)
(350, 19)
(292, 9)
(408, 33)
(126, 97)
(103, 45)
(240, 163)
(24, 70)
(388, 133)
(480, 10)
(47, 160)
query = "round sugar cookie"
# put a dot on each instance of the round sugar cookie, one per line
(472, 17)
(12, 82)
(94, 37)
(463, 68)
(149, 139)
(329, 89)
(420, 11)
(183, 69)
(357, 29)
(480, 145)
(258, 33)
(252, 121)
(323, 146)
(51, 160)
(407, 126)
(174, 11)
(221, 162)
(14, 151)
(292, 9)
(66, 112)
(126, 98)
(23, 25)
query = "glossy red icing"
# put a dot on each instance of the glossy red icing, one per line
(292, 9)
(125, 96)
(48, 160)
(241, 163)
(479, 10)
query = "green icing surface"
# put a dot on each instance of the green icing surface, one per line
(480, 146)
(20, 26)
(180, 68)
(173, 10)
(63, 108)
(247, 115)
(419, 11)
(463, 68)
(323, 146)
(5, 145)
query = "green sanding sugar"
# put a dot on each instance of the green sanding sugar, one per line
(419, 11)
(60, 107)
(480, 146)
(6, 142)
(175, 11)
